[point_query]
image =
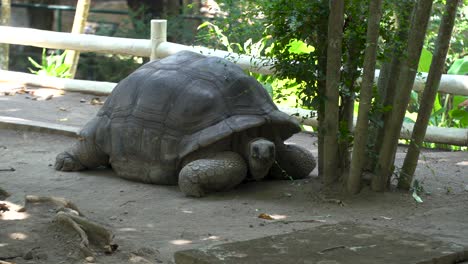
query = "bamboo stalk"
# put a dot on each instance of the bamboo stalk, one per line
(406, 78)
(81, 15)
(429, 94)
(360, 133)
(330, 122)
(5, 20)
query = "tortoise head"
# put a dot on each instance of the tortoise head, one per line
(260, 157)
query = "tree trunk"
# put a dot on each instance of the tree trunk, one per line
(406, 78)
(350, 74)
(81, 15)
(335, 36)
(322, 44)
(387, 85)
(5, 21)
(429, 94)
(360, 133)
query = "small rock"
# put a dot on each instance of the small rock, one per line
(251, 226)
(287, 194)
(113, 217)
(90, 259)
(262, 224)
(82, 100)
(29, 255)
(42, 255)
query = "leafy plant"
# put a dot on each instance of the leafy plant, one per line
(52, 65)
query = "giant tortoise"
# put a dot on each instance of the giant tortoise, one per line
(192, 120)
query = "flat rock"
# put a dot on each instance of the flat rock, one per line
(331, 244)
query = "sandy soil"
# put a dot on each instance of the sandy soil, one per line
(151, 222)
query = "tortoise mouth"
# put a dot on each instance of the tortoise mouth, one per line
(273, 125)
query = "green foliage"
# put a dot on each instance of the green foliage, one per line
(446, 111)
(459, 66)
(52, 65)
(244, 21)
(458, 44)
(108, 67)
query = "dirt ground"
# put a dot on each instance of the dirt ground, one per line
(151, 222)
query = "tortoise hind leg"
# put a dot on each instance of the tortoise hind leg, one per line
(218, 172)
(84, 154)
(81, 156)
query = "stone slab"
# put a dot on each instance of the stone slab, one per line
(331, 244)
(15, 123)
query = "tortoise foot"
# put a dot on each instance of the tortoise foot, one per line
(222, 171)
(66, 162)
(293, 162)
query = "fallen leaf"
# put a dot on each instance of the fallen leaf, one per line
(265, 216)
(96, 101)
(49, 97)
(63, 109)
(82, 100)
(4, 207)
(63, 119)
(416, 197)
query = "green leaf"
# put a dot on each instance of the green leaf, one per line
(425, 61)
(459, 66)
(416, 197)
(299, 47)
(34, 63)
(459, 115)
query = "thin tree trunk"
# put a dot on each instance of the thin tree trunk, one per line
(360, 134)
(429, 94)
(406, 78)
(387, 85)
(335, 36)
(322, 44)
(350, 75)
(5, 21)
(81, 15)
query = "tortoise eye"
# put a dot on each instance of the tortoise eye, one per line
(255, 152)
(271, 149)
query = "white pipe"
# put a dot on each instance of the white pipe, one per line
(79, 42)
(442, 135)
(449, 83)
(258, 65)
(92, 87)
(158, 36)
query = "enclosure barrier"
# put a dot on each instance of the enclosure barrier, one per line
(158, 47)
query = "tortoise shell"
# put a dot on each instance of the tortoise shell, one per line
(169, 108)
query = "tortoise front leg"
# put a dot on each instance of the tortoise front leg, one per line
(218, 172)
(292, 162)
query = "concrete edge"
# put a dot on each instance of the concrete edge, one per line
(21, 124)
